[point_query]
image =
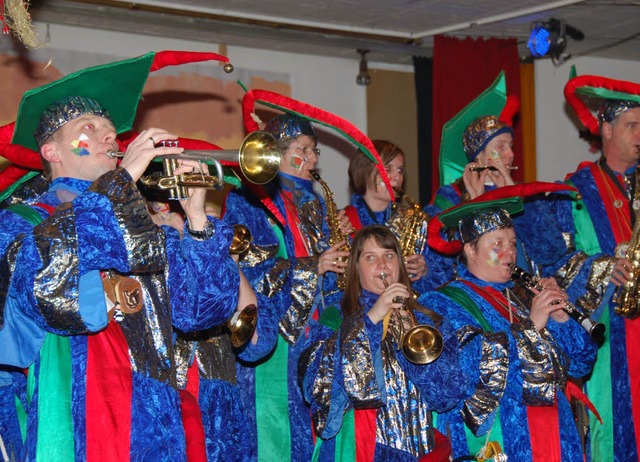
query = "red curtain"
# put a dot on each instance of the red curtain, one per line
(462, 69)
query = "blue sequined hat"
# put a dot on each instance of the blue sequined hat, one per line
(610, 109)
(288, 126)
(478, 134)
(483, 221)
(65, 110)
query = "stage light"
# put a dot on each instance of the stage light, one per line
(548, 39)
(363, 77)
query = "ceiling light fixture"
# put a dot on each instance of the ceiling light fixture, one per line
(548, 39)
(363, 78)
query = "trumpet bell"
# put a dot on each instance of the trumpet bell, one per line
(260, 157)
(242, 325)
(422, 344)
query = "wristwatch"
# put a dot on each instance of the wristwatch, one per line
(203, 235)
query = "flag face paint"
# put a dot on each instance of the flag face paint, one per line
(494, 155)
(80, 146)
(297, 162)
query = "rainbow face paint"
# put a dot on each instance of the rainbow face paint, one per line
(80, 146)
(494, 257)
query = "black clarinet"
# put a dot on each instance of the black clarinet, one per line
(596, 330)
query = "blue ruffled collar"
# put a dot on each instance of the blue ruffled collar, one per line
(368, 216)
(73, 185)
(464, 273)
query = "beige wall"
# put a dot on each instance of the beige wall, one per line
(391, 115)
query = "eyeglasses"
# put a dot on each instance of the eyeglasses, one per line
(306, 150)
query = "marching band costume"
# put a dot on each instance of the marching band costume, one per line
(603, 220)
(92, 292)
(517, 373)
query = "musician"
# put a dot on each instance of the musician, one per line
(206, 363)
(289, 261)
(603, 221)
(93, 291)
(354, 362)
(372, 204)
(517, 351)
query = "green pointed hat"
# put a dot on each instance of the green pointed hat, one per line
(452, 155)
(117, 87)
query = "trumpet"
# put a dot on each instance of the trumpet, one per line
(596, 330)
(242, 325)
(258, 158)
(480, 168)
(421, 344)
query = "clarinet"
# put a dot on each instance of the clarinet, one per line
(596, 330)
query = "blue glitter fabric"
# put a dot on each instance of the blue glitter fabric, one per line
(478, 134)
(350, 367)
(483, 221)
(621, 395)
(63, 111)
(565, 340)
(288, 126)
(613, 108)
(9, 423)
(186, 284)
(439, 267)
(292, 284)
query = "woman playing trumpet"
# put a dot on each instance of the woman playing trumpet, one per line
(517, 349)
(351, 364)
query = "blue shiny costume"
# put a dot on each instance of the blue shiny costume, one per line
(269, 387)
(611, 384)
(54, 288)
(348, 365)
(504, 362)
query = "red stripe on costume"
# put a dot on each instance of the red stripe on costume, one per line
(352, 214)
(619, 218)
(544, 433)
(632, 334)
(108, 395)
(365, 430)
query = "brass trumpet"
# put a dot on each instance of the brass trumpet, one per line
(242, 325)
(421, 344)
(258, 159)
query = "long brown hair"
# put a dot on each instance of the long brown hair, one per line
(361, 167)
(385, 239)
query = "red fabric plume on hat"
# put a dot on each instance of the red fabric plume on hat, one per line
(595, 81)
(23, 160)
(167, 58)
(434, 230)
(510, 109)
(314, 114)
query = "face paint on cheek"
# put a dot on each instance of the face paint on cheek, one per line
(80, 146)
(297, 162)
(494, 155)
(494, 258)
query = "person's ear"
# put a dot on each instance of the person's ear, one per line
(50, 153)
(470, 251)
(606, 130)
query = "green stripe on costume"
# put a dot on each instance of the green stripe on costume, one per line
(272, 395)
(475, 443)
(442, 202)
(55, 424)
(599, 385)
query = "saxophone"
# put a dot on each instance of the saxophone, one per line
(413, 235)
(336, 235)
(627, 295)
